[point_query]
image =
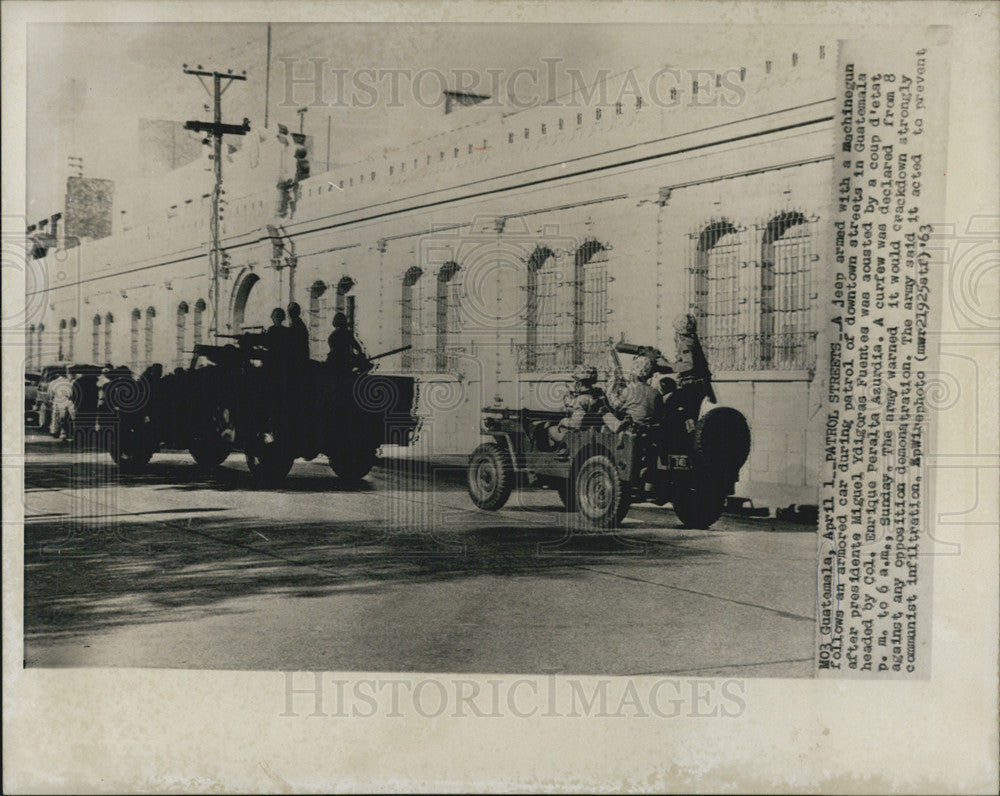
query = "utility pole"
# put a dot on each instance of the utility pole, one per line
(216, 129)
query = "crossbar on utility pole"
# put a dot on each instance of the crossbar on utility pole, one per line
(216, 129)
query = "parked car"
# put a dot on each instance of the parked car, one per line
(31, 381)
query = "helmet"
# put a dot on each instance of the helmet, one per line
(642, 369)
(585, 374)
(685, 324)
(339, 319)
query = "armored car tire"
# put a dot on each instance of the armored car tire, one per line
(490, 476)
(601, 498)
(353, 465)
(699, 507)
(131, 451)
(269, 464)
(209, 452)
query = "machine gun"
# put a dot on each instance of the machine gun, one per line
(363, 364)
(662, 365)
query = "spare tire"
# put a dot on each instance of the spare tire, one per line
(722, 441)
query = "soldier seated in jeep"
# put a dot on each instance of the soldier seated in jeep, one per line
(584, 403)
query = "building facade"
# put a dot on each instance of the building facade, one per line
(505, 251)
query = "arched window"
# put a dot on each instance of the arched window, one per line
(95, 343)
(410, 312)
(29, 353)
(447, 309)
(182, 313)
(590, 302)
(148, 349)
(197, 325)
(62, 340)
(317, 315)
(70, 345)
(714, 293)
(785, 293)
(109, 320)
(242, 302)
(542, 317)
(134, 340)
(345, 302)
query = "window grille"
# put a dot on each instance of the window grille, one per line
(345, 302)
(148, 348)
(751, 292)
(447, 311)
(548, 322)
(197, 323)
(109, 320)
(182, 313)
(72, 338)
(134, 340)
(62, 339)
(411, 307)
(95, 343)
(590, 283)
(317, 313)
(29, 354)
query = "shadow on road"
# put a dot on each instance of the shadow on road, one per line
(92, 575)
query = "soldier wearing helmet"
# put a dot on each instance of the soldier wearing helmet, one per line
(637, 399)
(345, 350)
(584, 401)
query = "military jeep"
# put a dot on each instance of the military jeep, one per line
(599, 471)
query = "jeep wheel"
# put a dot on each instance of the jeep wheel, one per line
(699, 508)
(600, 496)
(269, 463)
(491, 476)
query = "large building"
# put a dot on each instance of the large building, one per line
(507, 249)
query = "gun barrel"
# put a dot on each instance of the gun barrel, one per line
(629, 348)
(390, 352)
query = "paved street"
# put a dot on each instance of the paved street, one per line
(182, 568)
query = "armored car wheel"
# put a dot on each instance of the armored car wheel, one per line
(209, 447)
(131, 451)
(699, 507)
(601, 497)
(491, 476)
(269, 463)
(209, 453)
(353, 465)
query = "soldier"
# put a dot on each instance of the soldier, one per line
(585, 401)
(345, 349)
(640, 403)
(276, 336)
(637, 400)
(694, 379)
(298, 336)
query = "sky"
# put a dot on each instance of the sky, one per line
(89, 84)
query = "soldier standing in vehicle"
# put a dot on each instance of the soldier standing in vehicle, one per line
(694, 379)
(298, 335)
(344, 346)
